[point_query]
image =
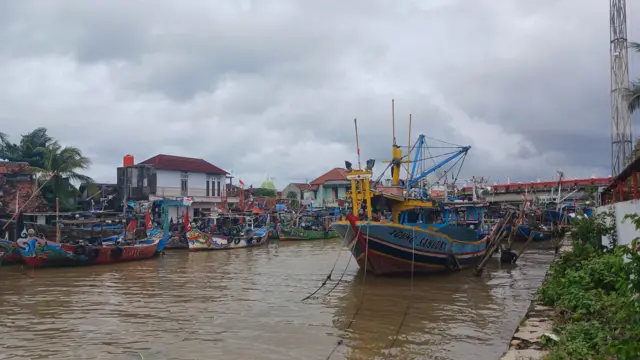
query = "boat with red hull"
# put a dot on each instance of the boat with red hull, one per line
(38, 253)
(9, 253)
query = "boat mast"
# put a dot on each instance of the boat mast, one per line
(396, 152)
(408, 152)
(355, 123)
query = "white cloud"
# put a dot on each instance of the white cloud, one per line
(272, 88)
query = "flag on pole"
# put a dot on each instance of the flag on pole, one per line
(241, 183)
(147, 221)
(187, 224)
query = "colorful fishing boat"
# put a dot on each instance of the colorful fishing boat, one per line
(38, 252)
(305, 227)
(239, 236)
(9, 253)
(419, 236)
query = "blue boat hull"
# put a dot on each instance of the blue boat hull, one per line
(390, 249)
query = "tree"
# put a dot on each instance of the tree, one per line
(28, 148)
(60, 167)
(265, 192)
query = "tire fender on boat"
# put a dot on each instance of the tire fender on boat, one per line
(452, 263)
(93, 253)
(80, 250)
(117, 252)
(236, 241)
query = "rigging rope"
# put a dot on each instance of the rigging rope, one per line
(364, 282)
(341, 276)
(406, 310)
(332, 268)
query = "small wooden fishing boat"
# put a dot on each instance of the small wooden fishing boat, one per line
(240, 236)
(9, 253)
(38, 253)
(305, 227)
(301, 234)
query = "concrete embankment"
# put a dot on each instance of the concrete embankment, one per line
(526, 341)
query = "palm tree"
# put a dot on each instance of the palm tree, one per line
(632, 94)
(27, 149)
(60, 165)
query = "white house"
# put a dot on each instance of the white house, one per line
(178, 177)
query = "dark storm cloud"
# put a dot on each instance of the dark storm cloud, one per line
(262, 87)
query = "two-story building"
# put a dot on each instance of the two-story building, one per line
(328, 190)
(179, 177)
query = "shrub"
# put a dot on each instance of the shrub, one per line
(595, 292)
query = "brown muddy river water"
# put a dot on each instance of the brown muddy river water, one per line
(245, 304)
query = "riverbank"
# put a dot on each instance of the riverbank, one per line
(526, 342)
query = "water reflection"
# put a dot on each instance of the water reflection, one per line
(245, 303)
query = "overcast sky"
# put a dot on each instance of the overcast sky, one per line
(271, 87)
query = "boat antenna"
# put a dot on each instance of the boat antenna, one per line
(355, 123)
(393, 120)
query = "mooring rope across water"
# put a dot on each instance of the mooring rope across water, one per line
(364, 282)
(341, 276)
(324, 282)
(406, 310)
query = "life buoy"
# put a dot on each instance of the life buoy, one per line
(236, 241)
(117, 252)
(80, 250)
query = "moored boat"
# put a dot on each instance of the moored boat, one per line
(418, 237)
(238, 236)
(9, 253)
(305, 227)
(37, 252)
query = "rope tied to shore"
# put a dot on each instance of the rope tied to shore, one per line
(406, 310)
(364, 282)
(332, 269)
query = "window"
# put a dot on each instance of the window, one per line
(207, 187)
(184, 184)
(196, 213)
(218, 189)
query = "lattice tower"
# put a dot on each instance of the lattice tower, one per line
(620, 117)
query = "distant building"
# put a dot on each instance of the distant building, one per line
(295, 188)
(328, 190)
(543, 190)
(178, 177)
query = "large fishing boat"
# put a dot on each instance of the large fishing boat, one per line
(417, 234)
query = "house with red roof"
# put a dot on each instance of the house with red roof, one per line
(201, 181)
(328, 190)
(18, 188)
